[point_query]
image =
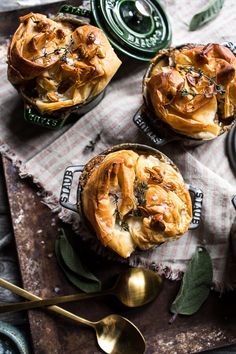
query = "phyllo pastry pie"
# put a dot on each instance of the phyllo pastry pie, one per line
(193, 89)
(135, 199)
(59, 63)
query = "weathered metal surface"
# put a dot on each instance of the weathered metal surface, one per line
(36, 229)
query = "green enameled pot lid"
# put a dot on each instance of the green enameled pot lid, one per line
(137, 28)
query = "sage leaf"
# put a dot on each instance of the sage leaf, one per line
(196, 284)
(72, 260)
(208, 13)
(72, 277)
(76, 272)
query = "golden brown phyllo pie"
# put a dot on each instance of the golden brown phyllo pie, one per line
(135, 199)
(193, 89)
(59, 63)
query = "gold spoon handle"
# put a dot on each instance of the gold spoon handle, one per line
(20, 306)
(27, 295)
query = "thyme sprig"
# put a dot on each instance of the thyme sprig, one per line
(122, 223)
(184, 93)
(63, 50)
(115, 198)
(92, 143)
(212, 81)
(137, 213)
(140, 191)
(115, 201)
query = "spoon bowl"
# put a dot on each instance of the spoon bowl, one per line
(115, 334)
(137, 287)
(134, 287)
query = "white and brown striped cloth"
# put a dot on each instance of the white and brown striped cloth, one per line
(44, 154)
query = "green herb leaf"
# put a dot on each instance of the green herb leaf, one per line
(72, 260)
(220, 89)
(196, 284)
(124, 225)
(92, 143)
(184, 92)
(140, 192)
(210, 11)
(73, 268)
(80, 283)
(137, 213)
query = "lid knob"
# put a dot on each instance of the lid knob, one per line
(137, 15)
(143, 7)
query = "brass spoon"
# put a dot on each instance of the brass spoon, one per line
(134, 287)
(115, 334)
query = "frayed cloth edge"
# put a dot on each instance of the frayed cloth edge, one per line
(70, 218)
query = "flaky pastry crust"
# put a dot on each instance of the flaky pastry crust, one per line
(193, 89)
(136, 200)
(57, 64)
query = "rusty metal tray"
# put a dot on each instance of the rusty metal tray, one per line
(36, 229)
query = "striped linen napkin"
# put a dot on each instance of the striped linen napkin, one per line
(44, 154)
(20, 4)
